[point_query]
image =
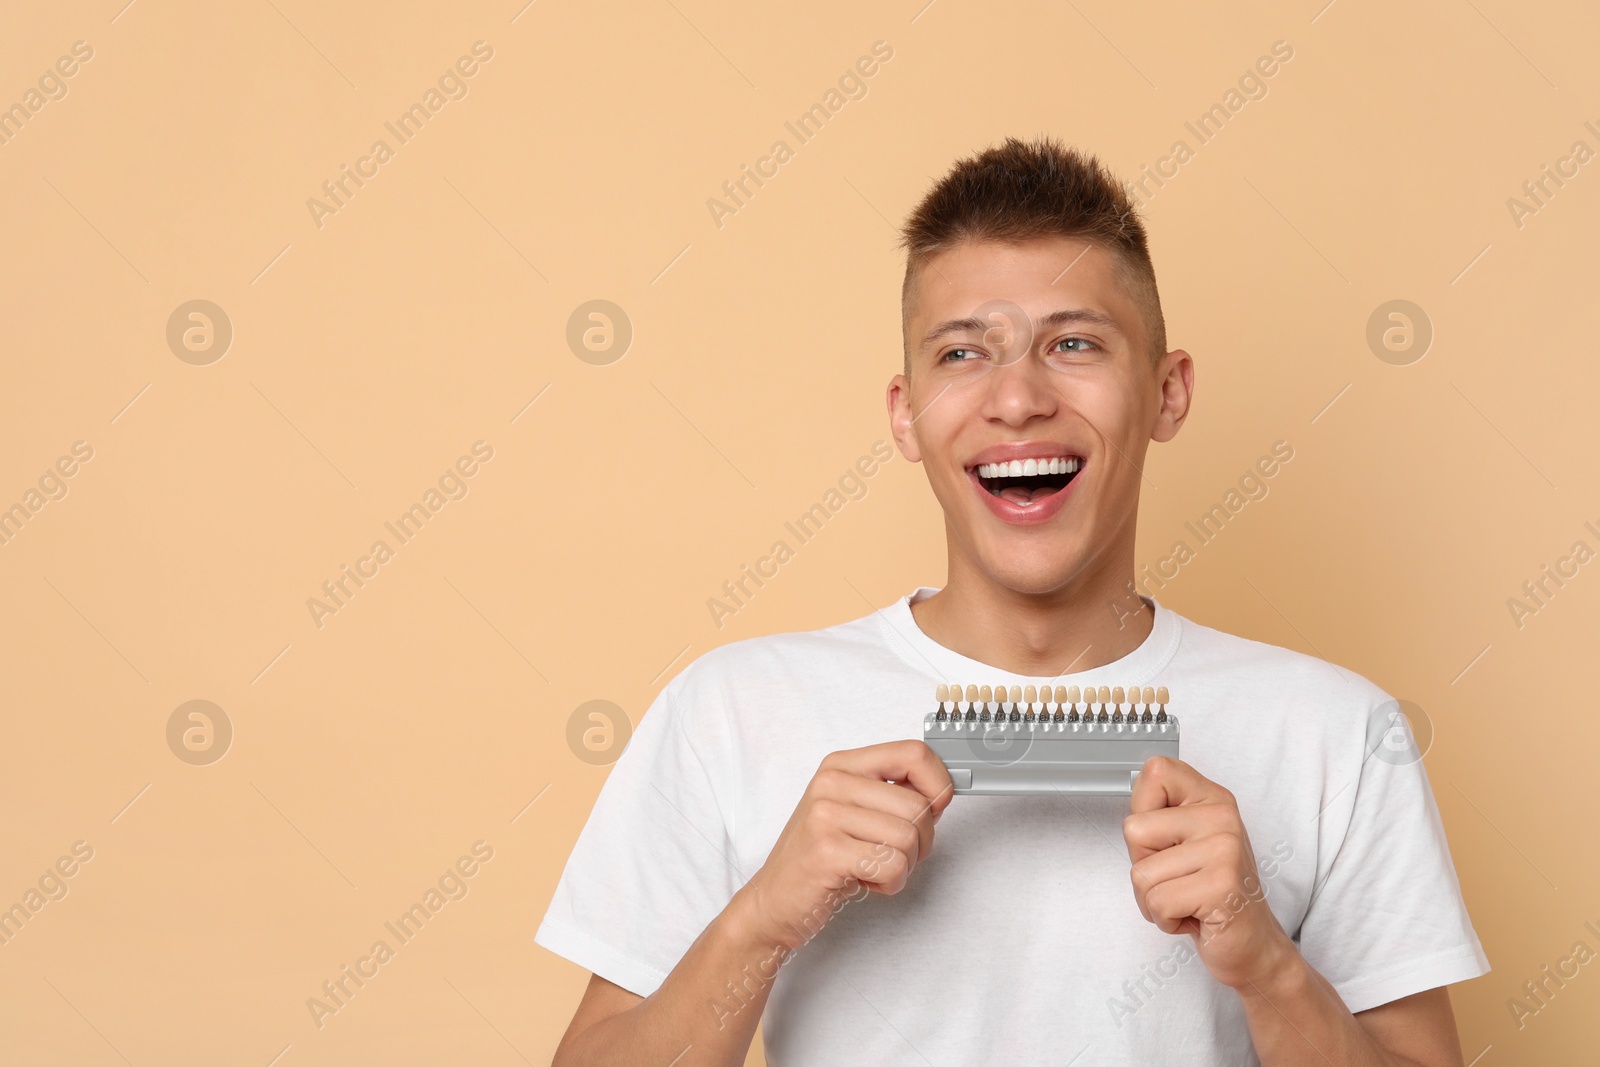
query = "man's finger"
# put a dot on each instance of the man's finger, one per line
(1151, 831)
(886, 832)
(899, 800)
(1168, 864)
(1165, 782)
(909, 762)
(1196, 896)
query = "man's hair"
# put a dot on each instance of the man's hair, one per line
(1020, 191)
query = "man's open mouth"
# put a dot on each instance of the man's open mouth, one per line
(1028, 481)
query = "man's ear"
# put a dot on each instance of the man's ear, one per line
(901, 418)
(1176, 372)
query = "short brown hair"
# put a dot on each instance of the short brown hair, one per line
(1024, 190)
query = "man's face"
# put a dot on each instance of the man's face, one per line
(1034, 354)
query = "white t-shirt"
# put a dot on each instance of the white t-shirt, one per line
(1018, 940)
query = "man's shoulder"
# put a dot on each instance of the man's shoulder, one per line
(1208, 656)
(783, 658)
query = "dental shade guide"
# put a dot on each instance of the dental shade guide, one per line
(1035, 740)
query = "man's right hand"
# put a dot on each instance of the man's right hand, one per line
(866, 818)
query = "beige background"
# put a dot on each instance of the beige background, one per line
(426, 314)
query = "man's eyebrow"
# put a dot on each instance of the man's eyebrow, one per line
(971, 325)
(1083, 315)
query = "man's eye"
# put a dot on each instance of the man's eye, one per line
(960, 355)
(1076, 340)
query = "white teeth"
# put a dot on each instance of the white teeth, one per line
(1028, 468)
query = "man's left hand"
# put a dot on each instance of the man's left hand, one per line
(1195, 873)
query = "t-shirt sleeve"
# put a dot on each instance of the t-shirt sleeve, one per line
(653, 865)
(1387, 918)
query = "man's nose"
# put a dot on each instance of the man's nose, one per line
(1019, 389)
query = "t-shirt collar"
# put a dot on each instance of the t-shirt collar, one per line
(1141, 666)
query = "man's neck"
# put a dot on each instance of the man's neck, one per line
(1085, 624)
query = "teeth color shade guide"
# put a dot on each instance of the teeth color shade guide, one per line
(1041, 740)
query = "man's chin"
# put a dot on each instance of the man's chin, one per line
(1034, 577)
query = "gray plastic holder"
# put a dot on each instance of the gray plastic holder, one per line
(1084, 759)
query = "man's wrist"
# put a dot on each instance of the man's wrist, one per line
(744, 929)
(1284, 974)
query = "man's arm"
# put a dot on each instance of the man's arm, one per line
(690, 1019)
(1194, 873)
(865, 820)
(1297, 1017)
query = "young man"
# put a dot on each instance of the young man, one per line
(764, 846)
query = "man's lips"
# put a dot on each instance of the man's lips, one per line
(1024, 484)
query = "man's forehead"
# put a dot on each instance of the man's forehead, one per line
(1052, 281)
